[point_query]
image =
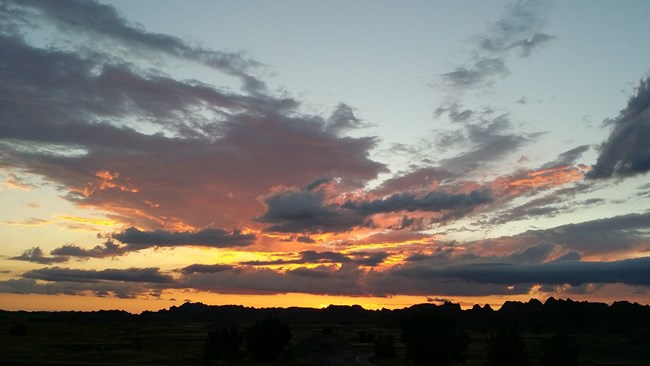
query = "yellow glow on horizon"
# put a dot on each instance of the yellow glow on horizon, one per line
(38, 302)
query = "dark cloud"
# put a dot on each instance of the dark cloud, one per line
(100, 22)
(372, 259)
(305, 239)
(626, 152)
(298, 211)
(151, 275)
(36, 255)
(107, 249)
(440, 300)
(308, 256)
(536, 253)
(431, 202)
(306, 211)
(630, 272)
(312, 257)
(215, 238)
(317, 183)
(125, 290)
(344, 280)
(446, 272)
(205, 268)
(343, 118)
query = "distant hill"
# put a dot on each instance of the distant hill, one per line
(531, 316)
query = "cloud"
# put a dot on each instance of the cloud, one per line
(618, 233)
(205, 268)
(35, 255)
(372, 259)
(482, 71)
(487, 139)
(630, 272)
(107, 249)
(215, 238)
(536, 253)
(343, 118)
(118, 289)
(307, 211)
(73, 106)
(644, 190)
(308, 256)
(527, 45)
(299, 211)
(432, 201)
(626, 152)
(418, 179)
(446, 272)
(100, 22)
(555, 202)
(55, 274)
(531, 181)
(454, 112)
(311, 257)
(343, 280)
(567, 157)
(519, 28)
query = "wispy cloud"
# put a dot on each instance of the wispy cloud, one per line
(519, 28)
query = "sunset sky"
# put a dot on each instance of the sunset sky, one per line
(303, 153)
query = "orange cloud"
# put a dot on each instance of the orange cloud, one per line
(518, 184)
(107, 180)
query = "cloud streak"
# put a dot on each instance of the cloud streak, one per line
(215, 238)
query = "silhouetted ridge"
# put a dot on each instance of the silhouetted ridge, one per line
(553, 314)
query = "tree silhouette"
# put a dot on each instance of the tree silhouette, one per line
(560, 350)
(266, 339)
(507, 349)
(432, 339)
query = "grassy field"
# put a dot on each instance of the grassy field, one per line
(51, 341)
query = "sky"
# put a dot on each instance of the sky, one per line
(299, 153)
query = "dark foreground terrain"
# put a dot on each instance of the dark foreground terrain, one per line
(557, 332)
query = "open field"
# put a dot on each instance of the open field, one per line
(133, 340)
